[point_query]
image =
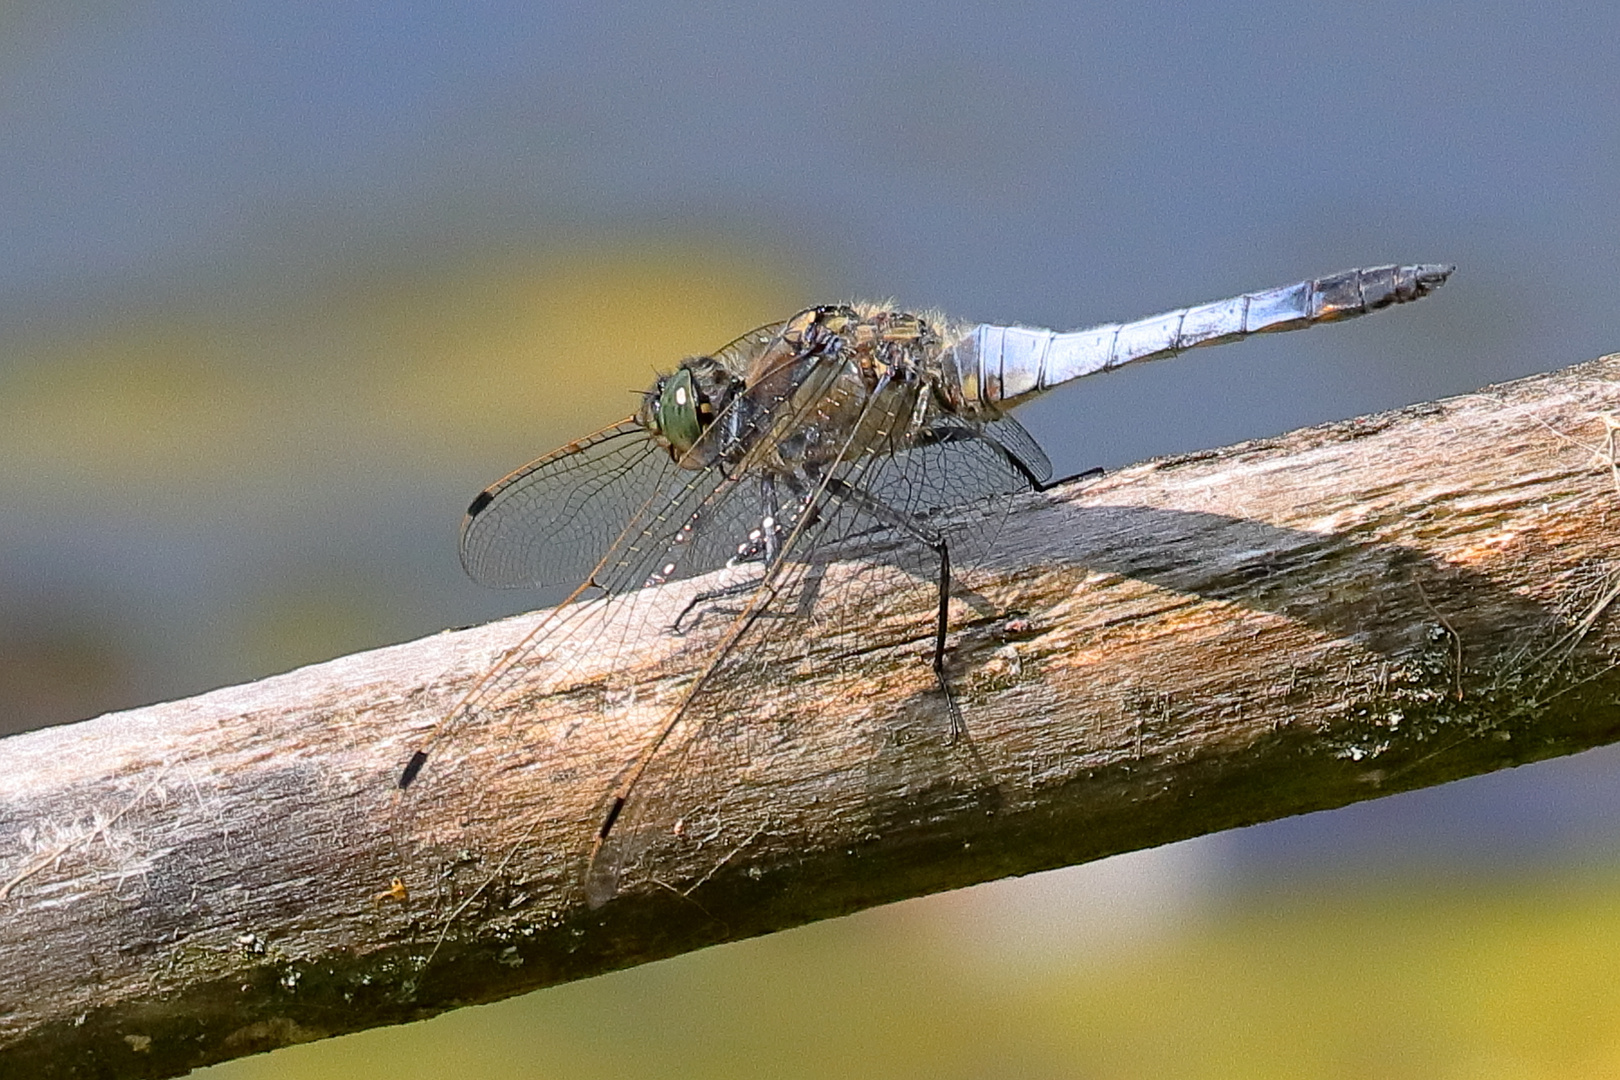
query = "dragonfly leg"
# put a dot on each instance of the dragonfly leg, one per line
(941, 624)
(846, 492)
(766, 542)
(680, 628)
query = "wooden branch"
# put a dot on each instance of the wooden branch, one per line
(1193, 644)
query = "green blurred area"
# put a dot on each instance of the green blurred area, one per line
(1517, 980)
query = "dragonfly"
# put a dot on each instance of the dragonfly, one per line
(846, 431)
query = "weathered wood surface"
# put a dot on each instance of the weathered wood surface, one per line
(1196, 643)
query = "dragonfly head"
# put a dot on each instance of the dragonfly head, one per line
(680, 406)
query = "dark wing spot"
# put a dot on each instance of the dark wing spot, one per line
(478, 504)
(412, 767)
(612, 816)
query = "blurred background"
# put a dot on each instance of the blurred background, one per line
(282, 285)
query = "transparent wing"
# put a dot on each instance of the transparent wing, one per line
(549, 522)
(612, 513)
(1012, 437)
(671, 819)
(956, 464)
(734, 354)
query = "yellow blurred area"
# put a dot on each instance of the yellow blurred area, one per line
(1519, 980)
(374, 366)
(561, 342)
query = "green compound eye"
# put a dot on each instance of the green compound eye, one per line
(678, 411)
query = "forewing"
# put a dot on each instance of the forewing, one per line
(551, 521)
(735, 354)
(597, 649)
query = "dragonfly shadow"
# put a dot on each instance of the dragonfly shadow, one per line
(1472, 628)
(917, 772)
(1318, 579)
